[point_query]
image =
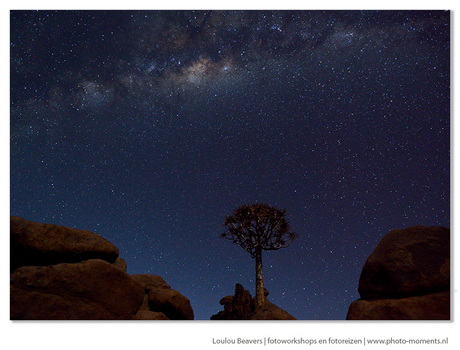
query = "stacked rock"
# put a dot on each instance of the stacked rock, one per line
(62, 273)
(406, 277)
(241, 306)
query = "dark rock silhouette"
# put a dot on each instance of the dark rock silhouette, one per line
(120, 264)
(434, 306)
(406, 277)
(33, 243)
(241, 306)
(150, 282)
(147, 315)
(90, 289)
(411, 261)
(270, 311)
(161, 298)
(78, 275)
(171, 303)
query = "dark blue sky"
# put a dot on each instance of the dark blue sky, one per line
(148, 127)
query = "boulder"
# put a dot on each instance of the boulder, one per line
(434, 306)
(407, 277)
(120, 264)
(241, 306)
(226, 300)
(150, 282)
(92, 289)
(407, 262)
(270, 311)
(170, 302)
(40, 244)
(147, 315)
(33, 305)
(145, 303)
(159, 297)
(61, 273)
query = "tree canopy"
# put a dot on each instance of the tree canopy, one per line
(258, 226)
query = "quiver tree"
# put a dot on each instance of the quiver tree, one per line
(255, 228)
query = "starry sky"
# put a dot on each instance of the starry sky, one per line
(148, 127)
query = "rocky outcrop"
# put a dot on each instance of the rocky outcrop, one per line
(237, 307)
(270, 311)
(241, 306)
(92, 289)
(121, 264)
(406, 277)
(171, 303)
(78, 275)
(161, 298)
(434, 306)
(147, 315)
(33, 243)
(150, 282)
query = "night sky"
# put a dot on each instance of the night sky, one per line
(148, 127)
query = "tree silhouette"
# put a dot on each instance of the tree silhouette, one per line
(255, 228)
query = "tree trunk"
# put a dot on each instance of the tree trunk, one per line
(260, 295)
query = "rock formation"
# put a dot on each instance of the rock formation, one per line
(121, 264)
(38, 244)
(90, 289)
(406, 277)
(241, 306)
(160, 298)
(61, 273)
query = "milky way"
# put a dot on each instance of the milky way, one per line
(148, 127)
